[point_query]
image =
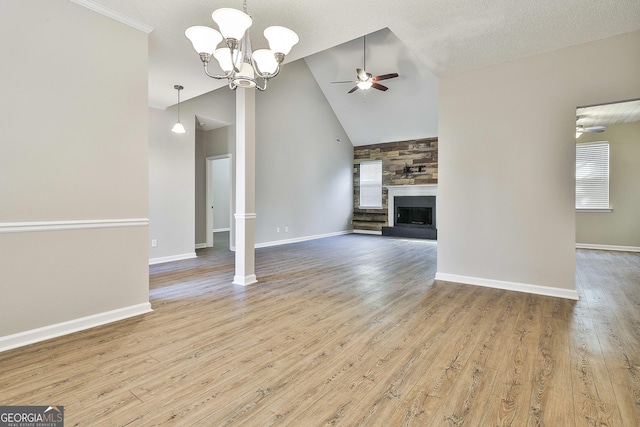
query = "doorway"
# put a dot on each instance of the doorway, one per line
(608, 176)
(218, 201)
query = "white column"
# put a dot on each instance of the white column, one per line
(245, 186)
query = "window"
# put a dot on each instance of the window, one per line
(371, 184)
(592, 176)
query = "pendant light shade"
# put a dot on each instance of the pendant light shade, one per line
(178, 127)
(281, 39)
(266, 61)
(232, 22)
(223, 55)
(204, 39)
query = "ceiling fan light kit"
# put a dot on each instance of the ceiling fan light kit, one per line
(241, 67)
(365, 81)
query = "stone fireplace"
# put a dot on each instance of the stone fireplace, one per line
(412, 211)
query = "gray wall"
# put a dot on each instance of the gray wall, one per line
(303, 177)
(74, 148)
(622, 226)
(171, 187)
(507, 160)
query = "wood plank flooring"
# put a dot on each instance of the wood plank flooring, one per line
(350, 331)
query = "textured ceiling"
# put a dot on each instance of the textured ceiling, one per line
(445, 36)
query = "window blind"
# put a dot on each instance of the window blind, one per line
(371, 184)
(592, 175)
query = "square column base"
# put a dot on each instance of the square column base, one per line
(245, 280)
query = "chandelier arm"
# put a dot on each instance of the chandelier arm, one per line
(215, 76)
(263, 88)
(266, 76)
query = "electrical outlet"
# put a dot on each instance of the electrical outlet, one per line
(277, 229)
(286, 229)
(154, 243)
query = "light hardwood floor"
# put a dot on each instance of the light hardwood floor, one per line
(349, 331)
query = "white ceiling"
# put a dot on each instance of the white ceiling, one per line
(421, 40)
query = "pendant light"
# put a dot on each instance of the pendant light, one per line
(178, 128)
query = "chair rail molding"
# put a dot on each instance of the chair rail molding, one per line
(31, 226)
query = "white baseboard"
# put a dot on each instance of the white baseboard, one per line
(374, 232)
(608, 247)
(510, 286)
(201, 245)
(299, 239)
(52, 331)
(218, 230)
(179, 257)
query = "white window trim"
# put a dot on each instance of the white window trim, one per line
(586, 210)
(378, 185)
(608, 191)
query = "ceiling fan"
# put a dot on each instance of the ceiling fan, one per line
(364, 80)
(580, 129)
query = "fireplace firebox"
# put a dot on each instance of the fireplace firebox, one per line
(413, 216)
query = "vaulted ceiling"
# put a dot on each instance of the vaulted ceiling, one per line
(426, 39)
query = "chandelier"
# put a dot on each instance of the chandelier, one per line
(242, 67)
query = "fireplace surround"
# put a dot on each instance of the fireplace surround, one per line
(412, 211)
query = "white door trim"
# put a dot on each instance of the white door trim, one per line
(208, 213)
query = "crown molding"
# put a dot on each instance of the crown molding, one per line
(117, 16)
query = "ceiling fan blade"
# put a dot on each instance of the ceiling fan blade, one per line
(590, 129)
(346, 81)
(362, 75)
(385, 77)
(379, 87)
(353, 90)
